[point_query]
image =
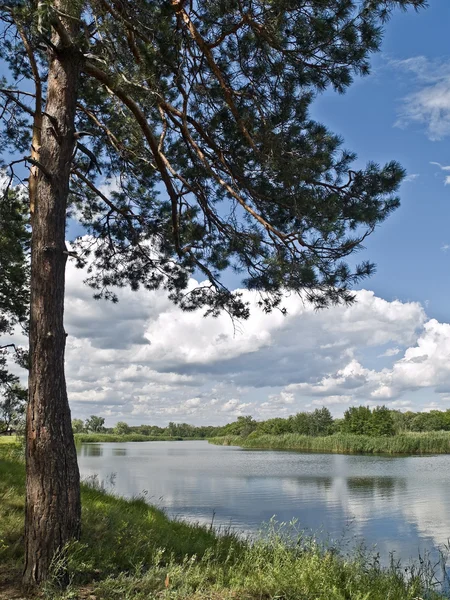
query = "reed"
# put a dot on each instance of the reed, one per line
(434, 442)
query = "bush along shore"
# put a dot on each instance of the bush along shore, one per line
(130, 550)
(403, 444)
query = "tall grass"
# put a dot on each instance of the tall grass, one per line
(408, 443)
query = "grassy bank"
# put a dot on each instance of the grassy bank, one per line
(128, 437)
(408, 443)
(8, 439)
(81, 438)
(131, 551)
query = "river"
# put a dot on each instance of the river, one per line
(399, 505)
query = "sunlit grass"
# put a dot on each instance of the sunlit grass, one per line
(8, 439)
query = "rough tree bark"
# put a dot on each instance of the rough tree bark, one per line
(53, 507)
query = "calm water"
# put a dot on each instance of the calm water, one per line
(395, 504)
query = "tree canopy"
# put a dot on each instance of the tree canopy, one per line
(198, 117)
(95, 424)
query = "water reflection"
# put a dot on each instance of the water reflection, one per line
(397, 504)
(119, 451)
(90, 450)
(376, 486)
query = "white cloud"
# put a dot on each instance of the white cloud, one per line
(429, 103)
(331, 400)
(192, 402)
(235, 407)
(412, 177)
(145, 361)
(390, 352)
(424, 365)
(443, 168)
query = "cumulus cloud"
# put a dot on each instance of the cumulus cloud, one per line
(235, 407)
(429, 103)
(145, 361)
(424, 365)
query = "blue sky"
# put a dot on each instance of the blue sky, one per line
(407, 249)
(143, 361)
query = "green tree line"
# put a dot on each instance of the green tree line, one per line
(359, 420)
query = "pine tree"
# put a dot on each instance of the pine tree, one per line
(197, 113)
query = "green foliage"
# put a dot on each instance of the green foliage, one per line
(361, 420)
(77, 426)
(301, 423)
(357, 420)
(12, 408)
(14, 299)
(130, 433)
(381, 421)
(178, 430)
(275, 426)
(122, 428)
(95, 424)
(243, 427)
(14, 270)
(321, 422)
(250, 181)
(434, 420)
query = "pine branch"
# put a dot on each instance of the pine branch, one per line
(153, 144)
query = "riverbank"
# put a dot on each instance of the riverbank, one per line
(132, 550)
(404, 444)
(87, 438)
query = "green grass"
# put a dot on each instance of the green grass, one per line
(132, 551)
(81, 438)
(8, 439)
(407, 443)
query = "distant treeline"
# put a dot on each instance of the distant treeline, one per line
(96, 425)
(357, 420)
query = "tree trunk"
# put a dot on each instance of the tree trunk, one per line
(53, 509)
